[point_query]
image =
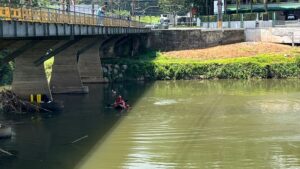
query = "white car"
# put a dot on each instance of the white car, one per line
(291, 17)
(152, 26)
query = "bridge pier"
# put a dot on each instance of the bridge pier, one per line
(65, 75)
(28, 78)
(89, 64)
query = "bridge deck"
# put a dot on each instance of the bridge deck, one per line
(28, 22)
(51, 15)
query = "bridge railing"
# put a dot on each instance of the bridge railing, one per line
(50, 15)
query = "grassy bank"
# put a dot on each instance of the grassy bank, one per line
(158, 66)
(221, 62)
(148, 19)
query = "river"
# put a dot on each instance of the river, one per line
(172, 124)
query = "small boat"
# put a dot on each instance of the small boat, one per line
(120, 107)
(5, 131)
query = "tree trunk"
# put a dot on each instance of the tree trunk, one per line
(220, 13)
(206, 7)
(266, 5)
(236, 1)
(251, 5)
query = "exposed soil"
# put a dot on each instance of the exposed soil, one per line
(244, 49)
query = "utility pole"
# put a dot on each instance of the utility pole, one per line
(220, 4)
(63, 5)
(206, 6)
(93, 8)
(132, 7)
(68, 6)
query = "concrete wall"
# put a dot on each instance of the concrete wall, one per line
(238, 24)
(167, 40)
(274, 35)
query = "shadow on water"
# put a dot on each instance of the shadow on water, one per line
(45, 141)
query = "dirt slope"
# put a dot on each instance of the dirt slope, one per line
(244, 49)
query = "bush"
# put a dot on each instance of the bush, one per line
(164, 68)
(6, 72)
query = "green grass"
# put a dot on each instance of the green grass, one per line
(149, 19)
(157, 66)
(259, 59)
(263, 59)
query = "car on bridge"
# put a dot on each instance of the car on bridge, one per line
(152, 26)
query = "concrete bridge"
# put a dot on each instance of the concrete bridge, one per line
(78, 42)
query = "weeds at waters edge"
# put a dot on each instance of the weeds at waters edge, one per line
(156, 66)
(6, 74)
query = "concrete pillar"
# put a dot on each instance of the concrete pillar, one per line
(28, 78)
(89, 63)
(65, 76)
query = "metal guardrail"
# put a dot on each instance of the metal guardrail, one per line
(49, 15)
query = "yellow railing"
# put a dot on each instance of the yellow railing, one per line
(49, 15)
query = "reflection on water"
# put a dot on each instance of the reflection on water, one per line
(182, 124)
(165, 102)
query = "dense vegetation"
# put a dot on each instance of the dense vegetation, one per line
(5, 72)
(157, 66)
(160, 67)
(149, 19)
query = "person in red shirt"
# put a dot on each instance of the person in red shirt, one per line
(120, 102)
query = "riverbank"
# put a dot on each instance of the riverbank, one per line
(235, 61)
(275, 61)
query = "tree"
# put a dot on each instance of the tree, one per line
(205, 7)
(168, 6)
(5, 70)
(11, 1)
(237, 5)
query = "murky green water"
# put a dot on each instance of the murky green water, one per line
(183, 124)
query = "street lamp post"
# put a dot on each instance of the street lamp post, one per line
(220, 4)
(191, 13)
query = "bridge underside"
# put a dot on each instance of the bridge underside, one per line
(75, 62)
